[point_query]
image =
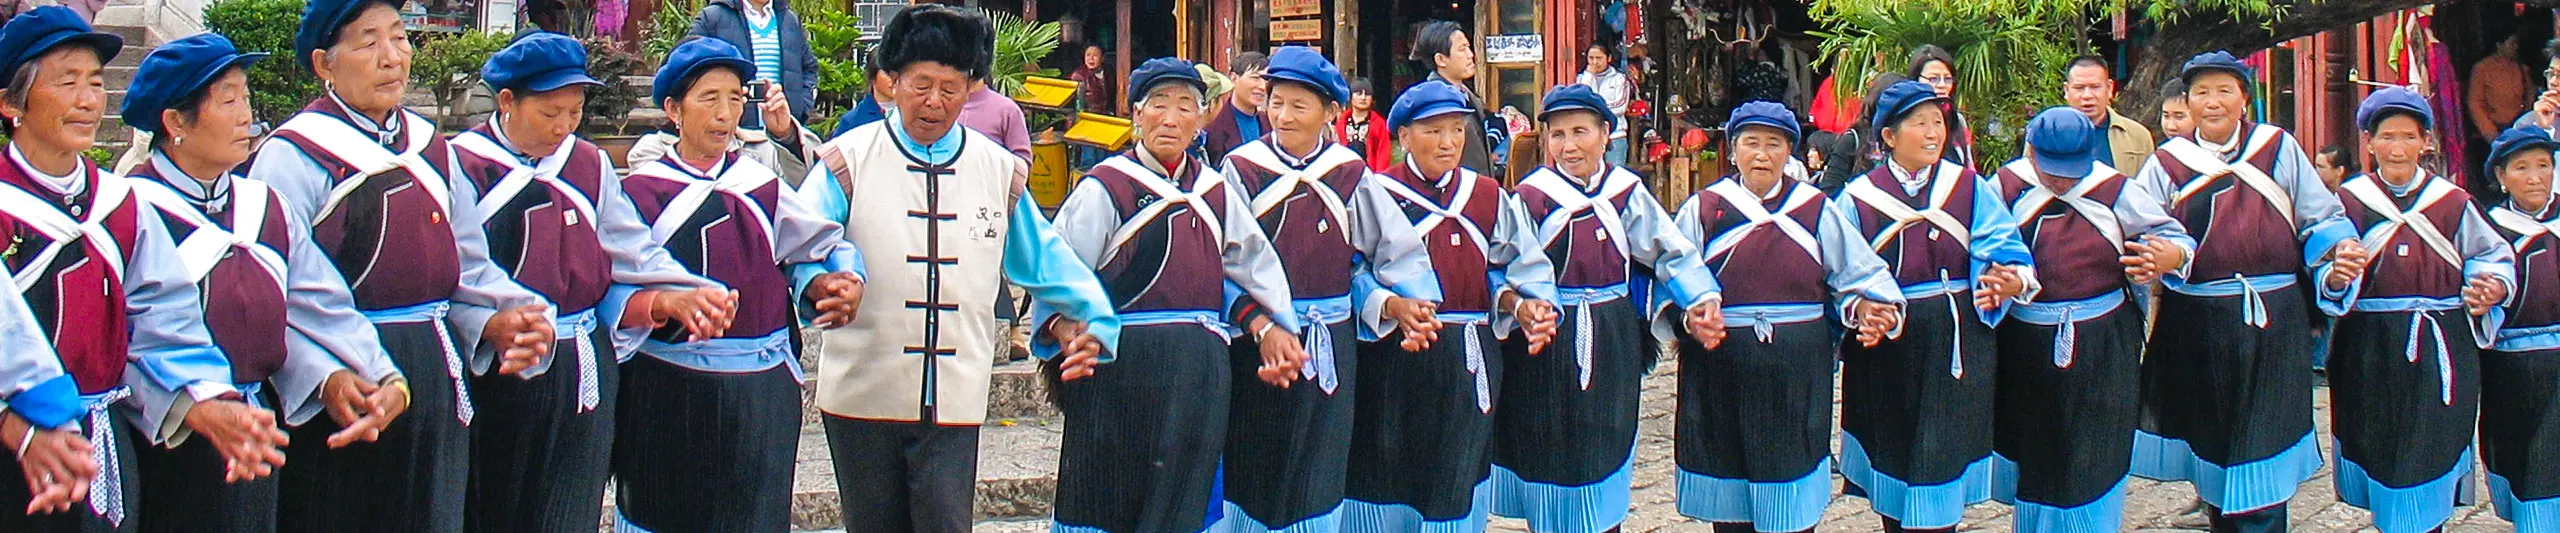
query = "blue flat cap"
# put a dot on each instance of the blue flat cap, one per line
(1577, 97)
(2215, 61)
(29, 35)
(2392, 100)
(690, 59)
(539, 62)
(321, 20)
(1764, 113)
(2063, 143)
(2524, 136)
(177, 70)
(1425, 100)
(1899, 99)
(1164, 70)
(1304, 66)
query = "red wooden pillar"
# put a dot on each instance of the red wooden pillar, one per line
(1123, 49)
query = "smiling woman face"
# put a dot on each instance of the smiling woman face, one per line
(217, 130)
(56, 101)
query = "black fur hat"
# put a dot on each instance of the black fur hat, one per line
(941, 34)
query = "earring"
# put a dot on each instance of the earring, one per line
(178, 141)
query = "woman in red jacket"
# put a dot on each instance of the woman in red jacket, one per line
(1362, 128)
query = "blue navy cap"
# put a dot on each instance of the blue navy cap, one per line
(31, 34)
(1577, 97)
(691, 58)
(177, 70)
(2381, 104)
(2214, 61)
(2524, 136)
(2063, 143)
(1305, 66)
(1899, 99)
(538, 62)
(1764, 113)
(321, 20)
(1164, 70)
(1425, 100)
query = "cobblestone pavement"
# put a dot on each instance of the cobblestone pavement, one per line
(2151, 506)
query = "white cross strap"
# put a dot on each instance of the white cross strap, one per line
(1456, 210)
(2367, 190)
(2210, 168)
(1310, 178)
(210, 243)
(2038, 196)
(546, 172)
(2525, 226)
(1741, 201)
(739, 180)
(1170, 196)
(358, 150)
(66, 232)
(1571, 203)
(1941, 186)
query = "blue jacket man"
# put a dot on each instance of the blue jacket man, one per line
(729, 20)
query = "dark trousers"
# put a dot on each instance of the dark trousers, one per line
(897, 477)
(2268, 520)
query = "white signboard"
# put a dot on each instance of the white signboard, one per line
(1500, 49)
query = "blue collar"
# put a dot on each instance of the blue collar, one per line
(942, 152)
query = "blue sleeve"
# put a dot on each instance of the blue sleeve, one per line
(1996, 242)
(1036, 259)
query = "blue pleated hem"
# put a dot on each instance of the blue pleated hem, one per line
(1592, 508)
(1936, 506)
(1368, 516)
(2412, 509)
(1235, 520)
(2235, 489)
(622, 524)
(2103, 514)
(2527, 515)
(1795, 505)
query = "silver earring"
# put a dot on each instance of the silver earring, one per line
(179, 141)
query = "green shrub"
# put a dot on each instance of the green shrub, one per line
(838, 45)
(672, 23)
(609, 61)
(449, 64)
(279, 86)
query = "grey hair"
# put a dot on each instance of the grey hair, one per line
(21, 82)
(1195, 91)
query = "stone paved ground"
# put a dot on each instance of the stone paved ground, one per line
(2150, 507)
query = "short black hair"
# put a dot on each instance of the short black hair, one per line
(2175, 89)
(1434, 38)
(2338, 155)
(1095, 47)
(1925, 54)
(1605, 49)
(2384, 114)
(2087, 60)
(1361, 86)
(2552, 48)
(939, 34)
(1249, 62)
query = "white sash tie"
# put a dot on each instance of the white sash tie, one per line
(106, 493)
(1475, 365)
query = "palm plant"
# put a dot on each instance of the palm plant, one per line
(2009, 53)
(1020, 45)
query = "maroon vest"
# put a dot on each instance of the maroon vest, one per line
(2404, 266)
(79, 301)
(1457, 260)
(2537, 299)
(1312, 248)
(1582, 259)
(1922, 251)
(2237, 230)
(244, 303)
(390, 222)
(721, 242)
(2074, 261)
(1173, 261)
(1775, 270)
(538, 235)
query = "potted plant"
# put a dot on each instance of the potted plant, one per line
(609, 106)
(449, 66)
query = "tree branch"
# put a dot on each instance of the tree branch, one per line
(2196, 33)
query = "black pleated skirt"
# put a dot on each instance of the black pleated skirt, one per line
(1552, 429)
(1421, 435)
(2402, 424)
(82, 518)
(2520, 425)
(538, 464)
(411, 479)
(1922, 416)
(2069, 429)
(189, 494)
(1753, 433)
(714, 451)
(1287, 449)
(1144, 433)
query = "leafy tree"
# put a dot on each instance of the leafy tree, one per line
(279, 86)
(449, 64)
(1020, 45)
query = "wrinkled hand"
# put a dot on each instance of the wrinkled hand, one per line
(521, 335)
(1876, 321)
(58, 466)
(362, 409)
(705, 312)
(837, 296)
(1079, 352)
(247, 436)
(1706, 324)
(777, 113)
(1537, 323)
(1418, 319)
(2147, 259)
(1999, 284)
(1282, 357)
(2546, 108)
(2347, 263)
(2483, 293)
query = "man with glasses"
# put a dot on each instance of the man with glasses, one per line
(2089, 90)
